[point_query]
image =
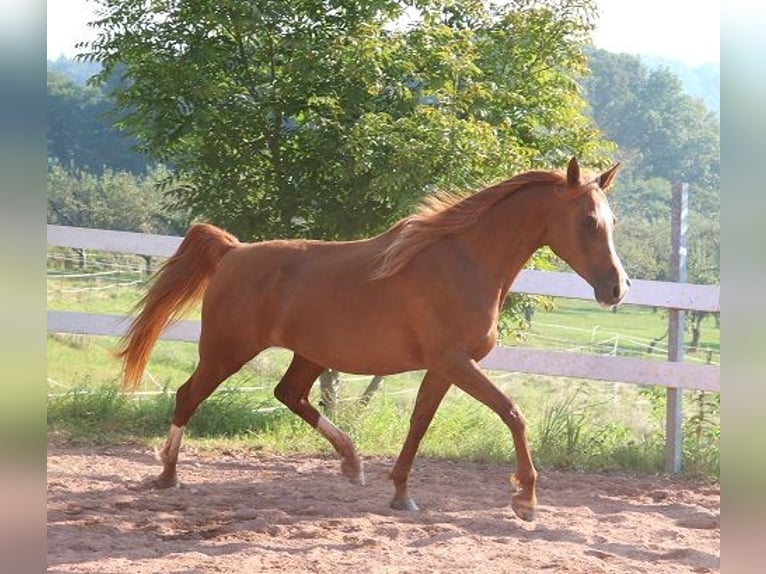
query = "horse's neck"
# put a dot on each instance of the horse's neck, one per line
(507, 235)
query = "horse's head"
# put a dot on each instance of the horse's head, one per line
(581, 234)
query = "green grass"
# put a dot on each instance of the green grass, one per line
(583, 325)
(570, 430)
(572, 424)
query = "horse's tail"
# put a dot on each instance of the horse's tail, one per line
(180, 282)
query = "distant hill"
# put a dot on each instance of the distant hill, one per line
(74, 70)
(701, 82)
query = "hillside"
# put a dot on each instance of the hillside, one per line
(702, 82)
(74, 70)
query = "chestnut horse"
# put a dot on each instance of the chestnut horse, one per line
(425, 294)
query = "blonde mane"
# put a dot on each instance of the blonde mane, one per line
(445, 214)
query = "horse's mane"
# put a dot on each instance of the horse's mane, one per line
(446, 213)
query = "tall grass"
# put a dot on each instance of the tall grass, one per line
(567, 431)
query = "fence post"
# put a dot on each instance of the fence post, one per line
(674, 396)
(83, 256)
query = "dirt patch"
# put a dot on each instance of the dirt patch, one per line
(241, 513)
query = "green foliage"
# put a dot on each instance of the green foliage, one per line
(701, 441)
(325, 119)
(644, 247)
(664, 136)
(80, 133)
(642, 207)
(102, 414)
(229, 414)
(646, 199)
(465, 429)
(702, 435)
(643, 235)
(580, 430)
(701, 82)
(704, 249)
(659, 129)
(561, 420)
(112, 200)
(571, 430)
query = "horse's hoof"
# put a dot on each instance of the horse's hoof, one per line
(524, 509)
(407, 505)
(353, 472)
(162, 482)
(155, 483)
(358, 479)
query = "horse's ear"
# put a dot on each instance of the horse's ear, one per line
(573, 173)
(605, 179)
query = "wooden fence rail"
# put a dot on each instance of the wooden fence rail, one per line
(682, 296)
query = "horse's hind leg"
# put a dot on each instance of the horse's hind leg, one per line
(205, 379)
(293, 391)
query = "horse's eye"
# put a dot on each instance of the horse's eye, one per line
(590, 223)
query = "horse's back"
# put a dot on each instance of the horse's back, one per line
(291, 262)
(309, 296)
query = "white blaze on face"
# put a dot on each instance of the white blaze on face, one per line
(605, 219)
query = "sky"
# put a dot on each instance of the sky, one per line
(684, 30)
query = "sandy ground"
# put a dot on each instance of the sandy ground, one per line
(245, 513)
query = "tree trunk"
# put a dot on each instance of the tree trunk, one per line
(329, 382)
(371, 389)
(697, 317)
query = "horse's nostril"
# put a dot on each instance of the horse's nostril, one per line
(627, 281)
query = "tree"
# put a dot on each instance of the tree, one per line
(326, 119)
(644, 247)
(704, 264)
(80, 134)
(664, 137)
(112, 200)
(646, 199)
(665, 133)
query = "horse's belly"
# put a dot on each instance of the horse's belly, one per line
(351, 341)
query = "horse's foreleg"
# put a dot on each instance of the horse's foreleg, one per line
(293, 391)
(469, 377)
(431, 392)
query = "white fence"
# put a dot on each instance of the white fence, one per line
(684, 296)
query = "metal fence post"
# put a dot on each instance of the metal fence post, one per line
(676, 324)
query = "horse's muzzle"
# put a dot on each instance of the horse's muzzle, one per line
(611, 293)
